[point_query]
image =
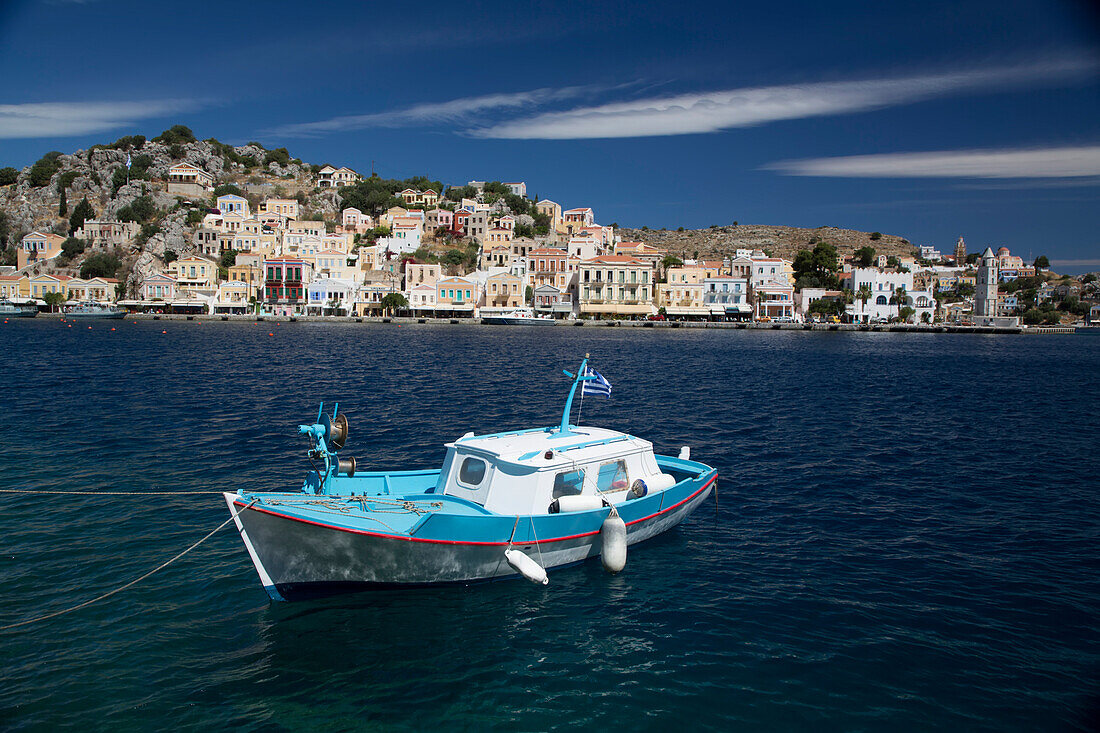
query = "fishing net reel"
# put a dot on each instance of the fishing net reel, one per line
(326, 437)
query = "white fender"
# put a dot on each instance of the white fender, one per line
(526, 567)
(685, 453)
(660, 482)
(576, 503)
(613, 535)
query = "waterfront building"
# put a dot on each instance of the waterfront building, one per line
(194, 275)
(232, 297)
(14, 286)
(158, 287)
(185, 179)
(457, 295)
(985, 292)
(46, 283)
(98, 289)
(503, 291)
(727, 297)
(771, 270)
(681, 295)
(884, 283)
(615, 285)
(248, 270)
(38, 247)
(551, 300)
(330, 296)
(773, 299)
(809, 296)
(421, 297)
(284, 284)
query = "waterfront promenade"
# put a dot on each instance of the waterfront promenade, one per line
(744, 325)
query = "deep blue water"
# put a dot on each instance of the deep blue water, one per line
(905, 537)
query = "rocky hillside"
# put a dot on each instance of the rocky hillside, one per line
(779, 241)
(32, 201)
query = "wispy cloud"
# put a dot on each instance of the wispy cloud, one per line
(455, 111)
(1061, 162)
(67, 119)
(720, 110)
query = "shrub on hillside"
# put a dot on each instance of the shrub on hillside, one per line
(101, 264)
(81, 212)
(278, 155)
(43, 170)
(175, 135)
(8, 176)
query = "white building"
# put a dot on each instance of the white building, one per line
(883, 283)
(330, 296)
(985, 288)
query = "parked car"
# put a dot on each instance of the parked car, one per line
(657, 317)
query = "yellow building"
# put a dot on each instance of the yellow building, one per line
(250, 275)
(98, 289)
(504, 290)
(615, 285)
(36, 247)
(682, 293)
(194, 274)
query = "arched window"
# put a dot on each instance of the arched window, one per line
(880, 300)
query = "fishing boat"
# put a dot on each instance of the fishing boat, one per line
(517, 317)
(513, 504)
(8, 309)
(91, 309)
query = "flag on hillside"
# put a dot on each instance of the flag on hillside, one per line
(127, 161)
(597, 386)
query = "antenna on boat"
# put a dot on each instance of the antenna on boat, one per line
(577, 378)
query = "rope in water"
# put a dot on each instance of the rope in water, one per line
(110, 493)
(135, 581)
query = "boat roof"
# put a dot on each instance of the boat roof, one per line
(528, 448)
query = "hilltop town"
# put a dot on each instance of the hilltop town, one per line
(177, 224)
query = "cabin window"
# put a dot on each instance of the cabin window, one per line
(569, 483)
(612, 476)
(472, 472)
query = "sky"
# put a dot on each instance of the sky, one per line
(928, 120)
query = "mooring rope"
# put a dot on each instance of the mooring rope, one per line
(110, 493)
(135, 581)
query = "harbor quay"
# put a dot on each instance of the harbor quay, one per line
(593, 323)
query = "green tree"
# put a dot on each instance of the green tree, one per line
(72, 247)
(905, 313)
(816, 268)
(101, 264)
(62, 205)
(899, 298)
(864, 256)
(81, 213)
(875, 236)
(176, 134)
(278, 155)
(529, 295)
(394, 302)
(1042, 263)
(169, 257)
(140, 210)
(8, 176)
(45, 168)
(1033, 316)
(228, 258)
(53, 300)
(864, 294)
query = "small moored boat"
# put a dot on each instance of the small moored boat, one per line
(510, 504)
(517, 317)
(91, 309)
(8, 309)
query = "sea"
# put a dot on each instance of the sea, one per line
(904, 535)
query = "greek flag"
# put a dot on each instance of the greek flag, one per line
(597, 386)
(127, 161)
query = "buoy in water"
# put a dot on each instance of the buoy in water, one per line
(164, 332)
(526, 567)
(112, 329)
(613, 537)
(270, 334)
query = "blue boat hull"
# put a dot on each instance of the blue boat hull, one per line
(298, 557)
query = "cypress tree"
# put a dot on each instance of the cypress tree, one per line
(81, 212)
(63, 206)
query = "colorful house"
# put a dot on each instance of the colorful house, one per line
(615, 285)
(284, 284)
(185, 179)
(38, 247)
(329, 177)
(158, 287)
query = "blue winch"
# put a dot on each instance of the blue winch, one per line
(326, 437)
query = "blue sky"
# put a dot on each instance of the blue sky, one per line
(928, 120)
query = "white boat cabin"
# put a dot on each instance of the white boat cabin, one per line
(523, 472)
